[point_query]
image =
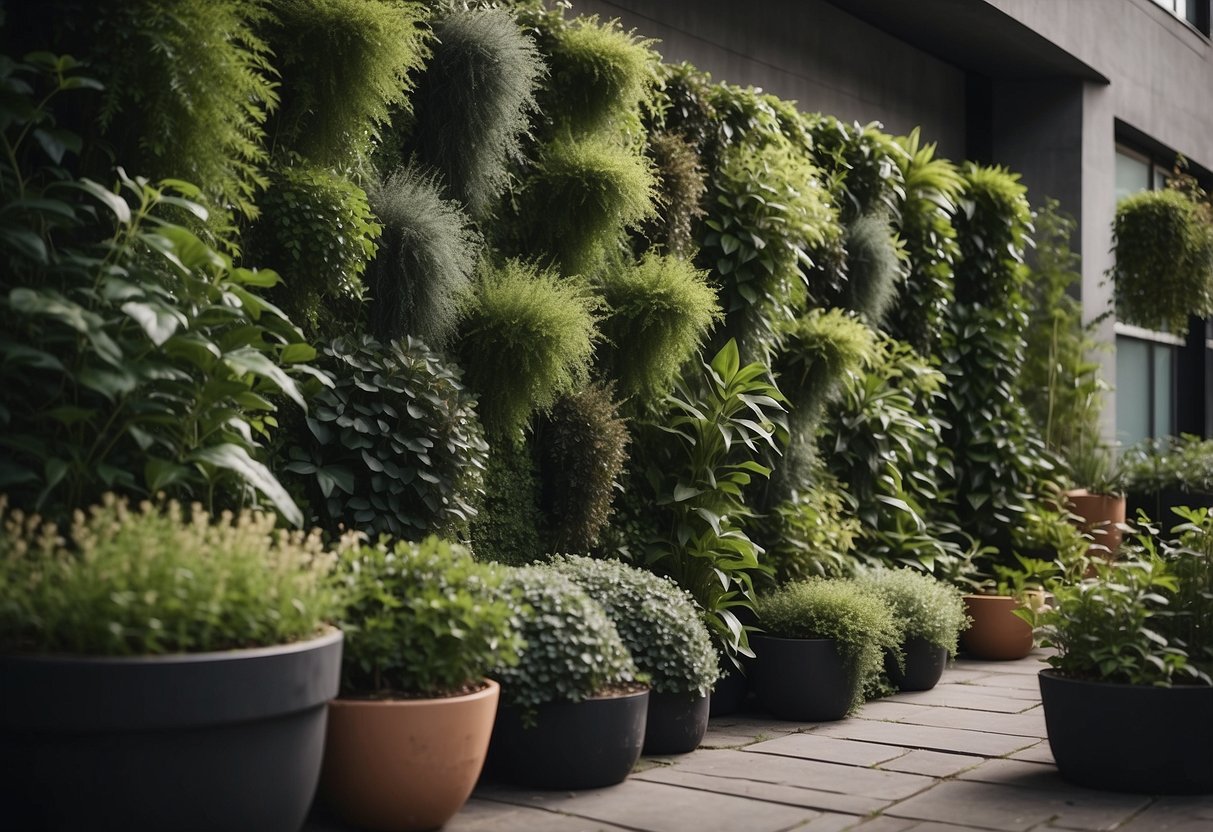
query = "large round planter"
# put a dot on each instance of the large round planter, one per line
(676, 722)
(406, 765)
(996, 634)
(570, 745)
(1101, 516)
(924, 664)
(187, 742)
(729, 695)
(1130, 738)
(803, 679)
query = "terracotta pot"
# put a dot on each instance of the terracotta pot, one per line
(1101, 517)
(997, 633)
(406, 764)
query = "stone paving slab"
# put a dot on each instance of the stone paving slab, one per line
(972, 698)
(932, 763)
(1039, 753)
(1028, 724)
(792, 795)
(927, 737)
(488, 816)
(828, 749)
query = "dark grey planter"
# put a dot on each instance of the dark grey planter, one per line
(676, 722)
(802, 679)
(571, 745)
(729, 695)
(1130, 738)
(188, 742)
(924, 665)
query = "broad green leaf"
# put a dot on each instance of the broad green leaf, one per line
(111, 200)
(248, 360)
(237, 460)
(158, 321)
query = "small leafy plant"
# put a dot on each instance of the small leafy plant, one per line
(854, 616)
(572, 652)
(922, 606)
(659, 623)
(422, 619)
(124, 580)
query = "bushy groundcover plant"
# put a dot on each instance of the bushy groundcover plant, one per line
(421, 619)
(922, 606)
(122, 580)
(859, 620)
(659, 623)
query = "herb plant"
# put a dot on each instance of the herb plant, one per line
(422, 619)
(120, 580)
(659, 623)
(922, 606)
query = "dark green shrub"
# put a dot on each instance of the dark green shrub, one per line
(421, 619)
(1183, 464)
(582, 447)
(507, 528)
(472, 103)
(123, 581)
(581, 196)
(572, 652)
(681, 186)
(874, 268)
(394, 445)
(345, 65)
(426, 260)
(134, 357)
(659, 312)
(924, 224)
(1163, 241)
(526, 337)
(317, 230)
(658, 622)
(922, 606)
(859, 620)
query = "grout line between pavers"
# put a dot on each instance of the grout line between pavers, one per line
(616, 824)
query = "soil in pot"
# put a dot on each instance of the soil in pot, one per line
(569, 745)
(1102, 516)
(676, 722)
(924, 665)
(997, 634)
(802, 679)
(1130, 738)
(406, 765)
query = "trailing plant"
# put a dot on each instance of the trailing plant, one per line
(582, 447)
(855, 617)
(472, 104)
(683, 105)
(659, 312)
(122, 580)
(422, 619)
(924, 225)
(874, 268)
(345, 66)
(394, 446)
(134, 357)
(572, 652)
(582, 195)
(922, 606)
(317, 229)
(507, 528)
(426, 261)
(681, 187)
(1163, 242)
(721, 420)
(525, 337)
(658, 622)
(768, 217)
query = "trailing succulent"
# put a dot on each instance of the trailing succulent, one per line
(394, 446)
(659, 622)
(572, 652)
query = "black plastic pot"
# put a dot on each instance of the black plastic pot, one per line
(924, 665)
(189, 742)
(802, 679)
(1130, 738)
(571, 745)
(676, 722)
(729, 695)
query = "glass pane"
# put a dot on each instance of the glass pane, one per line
(1132, 175)
(1164, 390)
(1161, 175)
(1132, 390)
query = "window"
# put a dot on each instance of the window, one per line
(1195, 12)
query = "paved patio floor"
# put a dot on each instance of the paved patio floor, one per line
(968, 755)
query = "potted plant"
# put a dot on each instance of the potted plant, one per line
(824, 642)
(996, 633)
(662, 628)
(408, 736)
(1099, 505)
(1162, 474)
(930, 616)
(162, 669)
(574, 706)
(1128, 701)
